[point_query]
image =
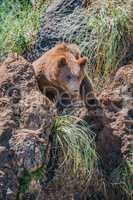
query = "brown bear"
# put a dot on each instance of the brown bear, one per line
(61, 68)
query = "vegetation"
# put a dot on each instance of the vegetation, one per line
(25, 180)
(109, 32)
(122, 176)
(77, 145)
(112, 23)
(19, 25)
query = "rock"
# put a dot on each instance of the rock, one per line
(20, 94)
(25, 124)
(29, 149)
(10, 194)
(117, 101)
(107, 144)
(7, 124)
(5, 157)
(8, 182)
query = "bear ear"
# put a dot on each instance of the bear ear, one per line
(62, 47)
(75, 50)
(82, 61)
(62, 62)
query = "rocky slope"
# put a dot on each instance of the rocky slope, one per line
(27, 116)
(117, 101)
(26, 129)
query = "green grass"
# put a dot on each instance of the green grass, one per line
(111, 21)
(25, 180)
(122, 176)
(77, 145)
(19, 26)
(111, 28)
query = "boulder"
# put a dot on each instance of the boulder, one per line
(25, 124)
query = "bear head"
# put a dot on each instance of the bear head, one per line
(61, 67)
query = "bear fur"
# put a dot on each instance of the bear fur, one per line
(61, 67)
(61, 71)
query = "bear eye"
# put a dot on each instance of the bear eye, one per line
(69, 77)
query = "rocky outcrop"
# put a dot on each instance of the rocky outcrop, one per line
(26, 132)
(117, 101)
(25, 124)
(110, 117)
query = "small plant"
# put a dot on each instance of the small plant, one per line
(77, 145)
(25, 180)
